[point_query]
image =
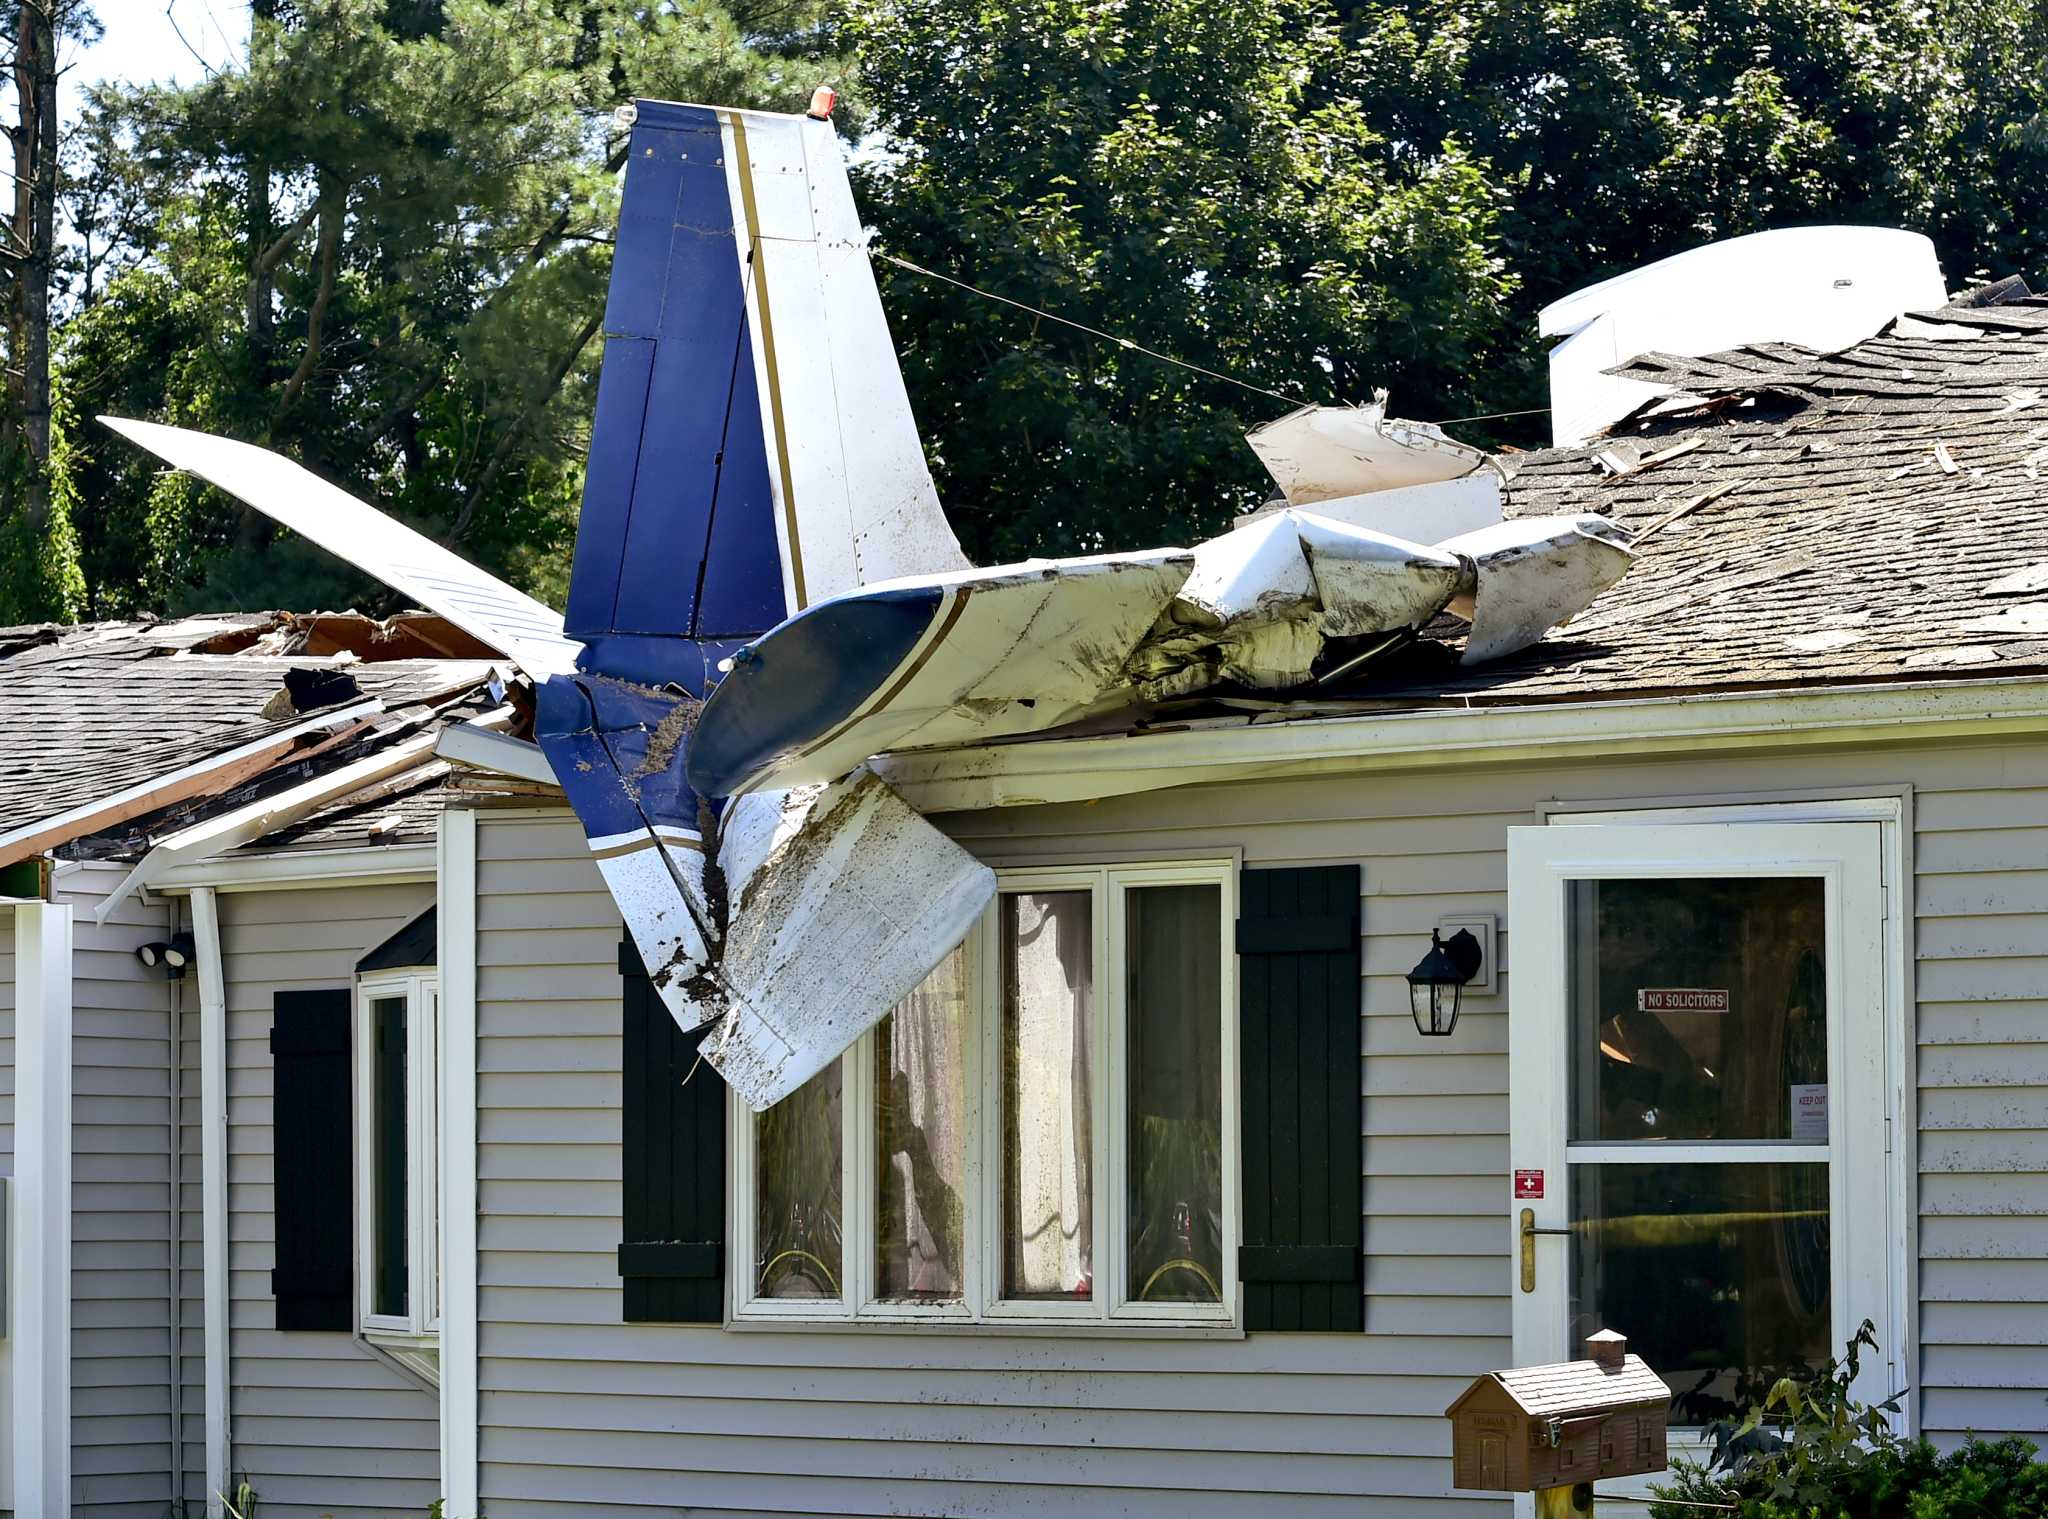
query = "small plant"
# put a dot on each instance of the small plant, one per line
(1809, 1449)
(1807, 1431)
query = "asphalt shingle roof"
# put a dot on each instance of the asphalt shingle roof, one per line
(1840, 518)
(90, 711)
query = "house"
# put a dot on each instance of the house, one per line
(1756, 842)
(137, 1103)
(1154, 1197)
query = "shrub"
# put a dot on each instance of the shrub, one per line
(1810, 1450)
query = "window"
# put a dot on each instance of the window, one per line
(1044, 1131)
(397, 1270)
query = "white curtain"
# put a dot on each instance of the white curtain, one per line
(1048, 1137)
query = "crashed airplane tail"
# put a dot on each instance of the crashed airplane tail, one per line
(753, 451)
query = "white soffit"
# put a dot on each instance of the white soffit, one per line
(409, 562)
(1822, 288)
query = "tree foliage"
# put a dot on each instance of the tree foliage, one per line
(1193, 176)
(380, 242)
(381, 246)
(1623, 131)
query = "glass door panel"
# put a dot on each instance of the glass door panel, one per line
(1719, 1274)
(1699, 1009)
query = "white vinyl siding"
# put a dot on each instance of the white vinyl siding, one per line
(6, 1041)
(321, 1424)
(583, 1414)
(120, 1203)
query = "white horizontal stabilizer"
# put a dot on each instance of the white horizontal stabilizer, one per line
(411, 563)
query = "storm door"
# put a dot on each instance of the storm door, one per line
(1697, 1096)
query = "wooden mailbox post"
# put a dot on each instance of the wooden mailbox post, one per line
(1550, 1429)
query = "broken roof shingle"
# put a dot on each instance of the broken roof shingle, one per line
(1816, 534)
(105, 707)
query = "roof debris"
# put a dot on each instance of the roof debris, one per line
(115, 736)
(2020, 582)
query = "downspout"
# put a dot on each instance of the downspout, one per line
(40, 1443)
(176, 1402)
(213, 1174)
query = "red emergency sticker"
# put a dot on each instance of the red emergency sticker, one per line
(1528, 1184)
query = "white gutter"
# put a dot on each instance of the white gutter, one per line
(267, 815)
(1078, 769)
(213, 1191)
(456, 920)
(287, 869)
(162, 790)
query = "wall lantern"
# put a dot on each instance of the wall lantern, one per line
(171, 955)
(1437, 985)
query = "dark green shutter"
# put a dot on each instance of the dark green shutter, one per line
(672, 1132)
(1303, 1254)
(313, 1149)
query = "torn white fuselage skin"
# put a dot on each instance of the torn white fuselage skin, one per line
(825, 907)
(1530, 575)
(842, 899)
(1324, 453)
(947, 661)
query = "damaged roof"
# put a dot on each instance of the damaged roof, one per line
(98, 713)
(1800, 519)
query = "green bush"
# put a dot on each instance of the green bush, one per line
(1808, 1449)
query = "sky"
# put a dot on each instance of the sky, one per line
(143, 45)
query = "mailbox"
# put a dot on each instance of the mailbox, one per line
(1539, 1427)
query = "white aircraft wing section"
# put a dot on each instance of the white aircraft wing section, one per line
(528, 632)
(1818, 287)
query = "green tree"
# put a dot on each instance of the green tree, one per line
(39, 574)
(1201, 178)
(1623, 131)
(380, 246)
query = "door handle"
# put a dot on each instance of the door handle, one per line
(1529, 1233)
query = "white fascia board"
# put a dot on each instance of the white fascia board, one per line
(339, 718)
(265, 816)
(481, 748)
(1079, 769)
(286, 869)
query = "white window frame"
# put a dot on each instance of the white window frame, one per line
(418, 1329)
(1855, 859)
(982, 1305)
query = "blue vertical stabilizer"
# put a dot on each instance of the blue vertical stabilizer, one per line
(677, 560)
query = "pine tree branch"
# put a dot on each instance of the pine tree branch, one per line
(503, 452)
(267, 262)
(331, 208)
